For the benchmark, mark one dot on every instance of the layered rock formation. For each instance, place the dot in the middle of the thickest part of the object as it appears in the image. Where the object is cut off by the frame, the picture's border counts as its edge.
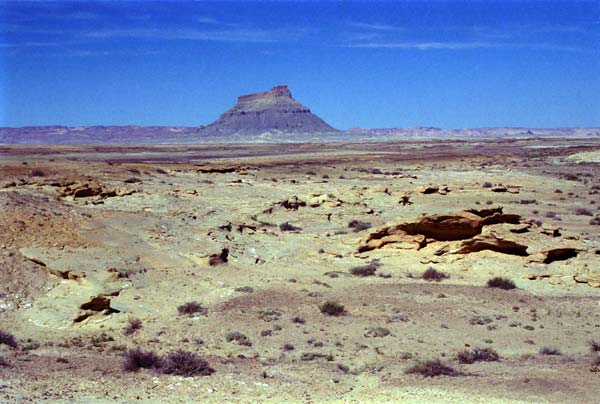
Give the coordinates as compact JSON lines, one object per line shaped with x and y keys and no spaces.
{"x":268,"y":112}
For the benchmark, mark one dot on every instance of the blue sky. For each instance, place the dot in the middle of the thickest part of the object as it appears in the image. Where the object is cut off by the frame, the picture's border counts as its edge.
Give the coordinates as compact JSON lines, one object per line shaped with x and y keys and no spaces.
{"x":449,"y":64}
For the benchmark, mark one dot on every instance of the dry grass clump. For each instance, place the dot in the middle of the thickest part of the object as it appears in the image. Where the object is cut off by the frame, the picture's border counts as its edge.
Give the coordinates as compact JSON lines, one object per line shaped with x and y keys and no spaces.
{"x":183,"y":363}
{"x":433,"y":368}
{"x":584,"y":212}
{"x":469,"y":356}
{"x":550,"y":351}
{"x":8,"y":339}
{"x":365,"y":270}
{"x":191,"y":308}
{"x":135,"y":324}
{"x":180,"y":363}
{"x":289,"y":227}
{"x":137,"y":359}
{"x":359,"y":226}
{"x":501,"y":283}
{"x":132,"y":180}
{"x":36,"y":172}
{"x":332,"y":308}
{"x":238,"y":338}
{"x":432,"y":274}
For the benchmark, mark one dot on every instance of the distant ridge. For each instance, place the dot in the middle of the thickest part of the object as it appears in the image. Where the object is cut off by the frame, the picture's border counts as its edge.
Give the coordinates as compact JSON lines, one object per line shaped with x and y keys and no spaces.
{"x":82,"y":135}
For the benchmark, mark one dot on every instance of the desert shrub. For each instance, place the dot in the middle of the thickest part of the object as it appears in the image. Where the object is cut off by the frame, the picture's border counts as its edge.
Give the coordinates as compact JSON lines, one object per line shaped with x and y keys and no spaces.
{"x":583,"y":212}
{"x":298,"y":320}
{"x":487,"y":184}
{"x":595,"y":221}
{"x":594,"y":345}
{"x":432,"y":274}
{"x":238,"y":338}
{"x":332,"y":308}
{"x":571,"y":177}
{"x":469,"y":356}
{"x":550,"y":214}
{"x":289,"y":227}
{"x":288,"y":347}
{"x":137,"y":359}
{"x":501,"y":283}
{"x":433,"y":368}
{"x":269,"y":315}
{"x":480,"y":320}
{"x":378,"y":332}
{"x":311,"y":356}
{"x":365,"y":270}
{"x":36,"y":172}
{"x":8,"y":339}
{"x":4,"y":363}
{"x":183,"y":363}
{"x":135,"y":324}
{"x":161,"y":171}
{"x":132,"y":180}
{"x":244,"y":289}
{"x":190,"y":308}
{"x":358,"y":225}
{"x":550,"y":351}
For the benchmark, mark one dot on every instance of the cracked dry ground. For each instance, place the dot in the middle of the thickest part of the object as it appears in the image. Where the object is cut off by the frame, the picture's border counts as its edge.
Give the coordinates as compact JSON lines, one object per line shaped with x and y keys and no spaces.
{"x":95,"y":241}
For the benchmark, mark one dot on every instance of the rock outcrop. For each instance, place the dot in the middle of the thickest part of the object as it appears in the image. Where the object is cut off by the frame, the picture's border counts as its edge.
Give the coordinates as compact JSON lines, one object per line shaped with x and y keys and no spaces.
{"x":272,"y":111}
{"x":452,"y":227}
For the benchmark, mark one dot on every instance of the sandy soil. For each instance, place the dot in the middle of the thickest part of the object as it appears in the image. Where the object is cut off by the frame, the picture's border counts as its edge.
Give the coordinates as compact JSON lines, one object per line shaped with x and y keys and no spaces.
{"x":94,"y":237}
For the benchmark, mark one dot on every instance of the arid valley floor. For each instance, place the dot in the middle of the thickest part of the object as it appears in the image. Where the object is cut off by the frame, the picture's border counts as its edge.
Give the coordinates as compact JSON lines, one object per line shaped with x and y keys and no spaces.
{"x":98,"y":240}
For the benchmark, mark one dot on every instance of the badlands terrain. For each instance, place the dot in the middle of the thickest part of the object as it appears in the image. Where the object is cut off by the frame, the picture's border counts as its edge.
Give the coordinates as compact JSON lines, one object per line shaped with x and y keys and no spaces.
{"x":302,"y":269}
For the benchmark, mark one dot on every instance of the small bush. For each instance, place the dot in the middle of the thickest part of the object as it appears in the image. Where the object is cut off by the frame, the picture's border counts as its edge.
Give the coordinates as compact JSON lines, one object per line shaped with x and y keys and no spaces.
{"x":595,"y":221}
{"x":288,"y":347}
{"x":550,"y":214}
{"x":584,"y":212}
{"x":550,"y":351}
{"x":365,"y":270}
{"x":594,"y":345}
{"x":378,"y":332}
{"x":8,"y":339}
{"x":161,"y":171}
{"x":289,"y":227}
{"x":469,"y":356}
{"x":433,"y":368}
{"x":4,"y":363}
{"x":358,"y":226}
{"x":432,"y":274}
{"x":36,"y":172}
{"x":132,"y":180}
{"x":487,"y":184}
{"x":190,"y":308}
{"x":238,"y":338}
{"x":134,"y":326}
{"x":332,"y":308}
{"x":501,"y":283}
{"x":298,"y":320}
{"x":137,"y":359}
{"x":183,"y":363}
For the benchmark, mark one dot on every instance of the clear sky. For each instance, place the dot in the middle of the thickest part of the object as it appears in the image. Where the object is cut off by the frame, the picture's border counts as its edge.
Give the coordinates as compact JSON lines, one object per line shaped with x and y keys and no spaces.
{"x":450,"y":64}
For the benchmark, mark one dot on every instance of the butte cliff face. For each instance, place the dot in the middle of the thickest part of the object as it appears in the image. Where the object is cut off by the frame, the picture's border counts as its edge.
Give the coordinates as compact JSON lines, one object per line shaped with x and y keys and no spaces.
{"x":268,"y":112}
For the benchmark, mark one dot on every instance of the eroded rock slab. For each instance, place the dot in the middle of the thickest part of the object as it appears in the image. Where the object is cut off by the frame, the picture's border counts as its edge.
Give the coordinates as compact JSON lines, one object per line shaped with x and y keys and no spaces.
{"x":452,"y":227}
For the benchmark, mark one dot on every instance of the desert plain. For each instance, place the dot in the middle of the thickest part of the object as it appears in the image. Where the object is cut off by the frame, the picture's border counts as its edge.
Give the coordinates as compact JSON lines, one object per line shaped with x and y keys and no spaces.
{"x":231,"y":251}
